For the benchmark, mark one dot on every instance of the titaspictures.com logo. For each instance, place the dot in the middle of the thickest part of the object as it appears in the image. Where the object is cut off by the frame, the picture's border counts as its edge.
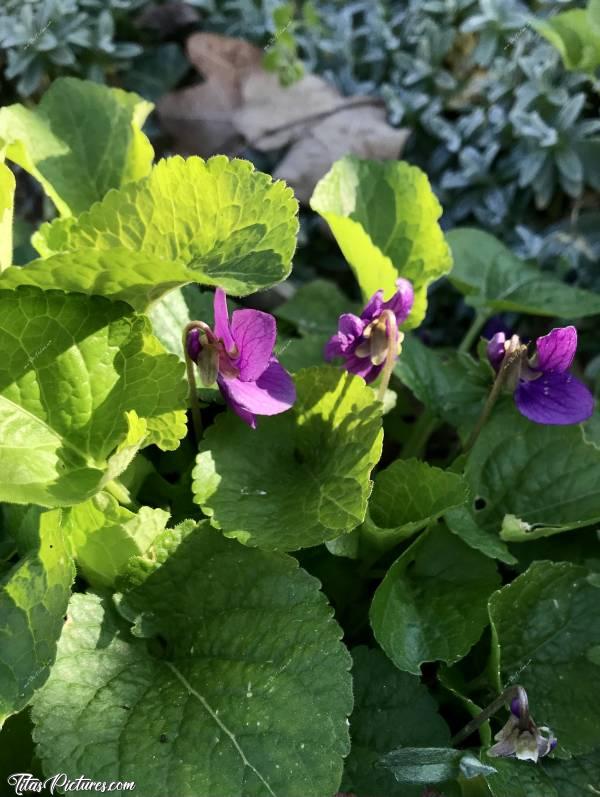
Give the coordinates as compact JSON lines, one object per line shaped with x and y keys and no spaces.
{"x":26,"y":783}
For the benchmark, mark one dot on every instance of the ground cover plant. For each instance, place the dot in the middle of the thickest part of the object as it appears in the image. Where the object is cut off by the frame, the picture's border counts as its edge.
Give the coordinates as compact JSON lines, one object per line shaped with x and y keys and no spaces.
{"x":298,"y":552}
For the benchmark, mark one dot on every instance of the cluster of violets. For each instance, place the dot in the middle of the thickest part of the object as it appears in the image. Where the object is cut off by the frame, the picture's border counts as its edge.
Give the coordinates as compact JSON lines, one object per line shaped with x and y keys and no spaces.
{"x":238,"y":355}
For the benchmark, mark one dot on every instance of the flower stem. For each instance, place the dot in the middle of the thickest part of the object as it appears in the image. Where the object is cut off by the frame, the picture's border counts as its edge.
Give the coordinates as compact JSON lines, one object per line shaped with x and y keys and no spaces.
{"x":502,"y":700}
{"x":505,"y":369}
{"x":479,"y":321}
{"x":191,"y":378}
{"x":428,"y":422}
{"x":118,"y":491}
{"x":420,"y":433}
{"x":392,"y":352}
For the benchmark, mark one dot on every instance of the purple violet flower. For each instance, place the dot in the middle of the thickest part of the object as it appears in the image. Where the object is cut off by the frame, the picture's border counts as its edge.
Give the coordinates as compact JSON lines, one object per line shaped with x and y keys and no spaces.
{"x":238,"y":355}
{"x":521,"y":737}
{"x":544,"y":390}
{"x":363,"y":341}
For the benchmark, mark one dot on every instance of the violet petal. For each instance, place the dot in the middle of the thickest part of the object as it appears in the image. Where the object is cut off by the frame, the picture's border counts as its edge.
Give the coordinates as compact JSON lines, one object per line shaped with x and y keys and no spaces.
{"x":373,"y":307}
{"x":556,"y":350}
{"x":193,"y":344}
{"x":554,"y":398}
{"x":254,"y":334}
{"x":350,"y":328}
{"x":222,"y":328}
{"x":272,"y":393}
{"x":362,"y":366}
{"x":335,"y":347}
{"x":351,"y":325}
{"x":402,"y":301}
{"x":496,"y":350}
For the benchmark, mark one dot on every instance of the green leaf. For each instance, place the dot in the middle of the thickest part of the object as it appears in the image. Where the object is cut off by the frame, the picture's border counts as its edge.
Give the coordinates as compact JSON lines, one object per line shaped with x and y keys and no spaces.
{"x":103,"y":536}
{"x":519,"y":779}
{"x":7,"y":193}
{"x":142,"y":281}
{"x":83,"y":385}
{"x":23,"y":251}
{"x":297,"y":353}
{"x":156,"y":71}
{"x":547,"y":636}
{"x":391,"y":709}
{"x":461,"y":522}
{"x":516,"y":530}
{"x":384,"y":217}
{"x":303,"y":476}
{"x":33,"y":601}
{"x":451,"y":384}
{"x":119,"y":275}
{"x":576,"y":36}
{"x":593,"y":12}
{"x":591,"y":430}
{"x":588,"y":150}
{"x":17,"y":753}
{"x":316,"y":307}
{"x":243,"y":688}
{"x":455,"y":682}
{"x":490,"y":275}
{"x":82,"y":140}
{"x":432,"y":765}
{"x":407,"y":496}
{"x":546,"y":481}
{"x":431,"y":605}
{"x":575,"y":777}
{"x":221,"y":220}
{"x":22,"y":523}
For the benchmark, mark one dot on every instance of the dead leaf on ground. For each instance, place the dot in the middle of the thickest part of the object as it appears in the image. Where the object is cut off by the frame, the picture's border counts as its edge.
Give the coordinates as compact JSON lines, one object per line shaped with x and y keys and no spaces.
{"x":267,"y":105}
{"x":361,"y":131}
{"x":223,"y":58}
{"x":200,"y":118}
{"x":240,"y":103}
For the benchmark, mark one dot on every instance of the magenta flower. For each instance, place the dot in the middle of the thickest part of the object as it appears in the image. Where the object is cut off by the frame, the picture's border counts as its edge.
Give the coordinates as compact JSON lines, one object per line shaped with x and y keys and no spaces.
{"x":544,"y":390}
{"x":238,"y":355}
{"x":363,"y":341}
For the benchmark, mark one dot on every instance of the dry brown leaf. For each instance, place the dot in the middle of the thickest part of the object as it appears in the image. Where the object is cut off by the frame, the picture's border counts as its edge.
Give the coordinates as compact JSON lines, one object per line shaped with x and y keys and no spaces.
{"x":223,"y":58}
{"x":240,"y":102}
{"x":200,"y":119}
{"x":361,"y":131}
{"x":267,"y":105}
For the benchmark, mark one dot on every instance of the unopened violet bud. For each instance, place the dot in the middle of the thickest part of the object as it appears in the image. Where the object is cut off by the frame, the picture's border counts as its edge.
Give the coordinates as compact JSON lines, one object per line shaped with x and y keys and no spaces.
{"x":515,"y":707}
{"x":193,"y":344}
{"x":496,"y":350}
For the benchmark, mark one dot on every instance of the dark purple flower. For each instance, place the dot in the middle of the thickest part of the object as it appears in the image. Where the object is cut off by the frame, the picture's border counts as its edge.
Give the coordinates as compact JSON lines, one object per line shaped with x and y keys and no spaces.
{"x":363,"y":341}
{"x":544,"y":390}
{"x":238,"y":355}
